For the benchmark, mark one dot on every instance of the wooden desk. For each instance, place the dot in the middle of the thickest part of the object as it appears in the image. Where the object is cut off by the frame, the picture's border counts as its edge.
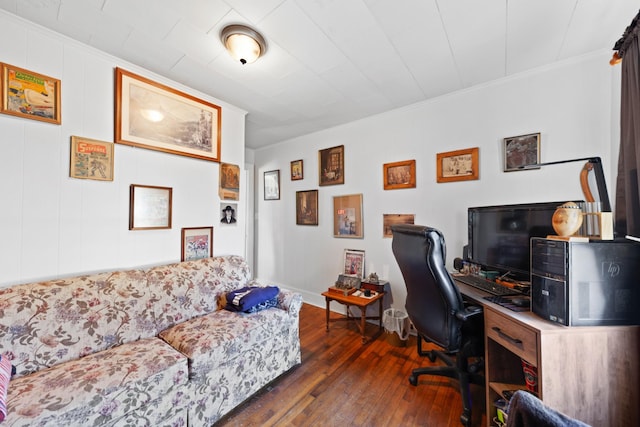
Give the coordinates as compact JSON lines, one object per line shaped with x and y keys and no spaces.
{"x":590,"y":373}
{"x":360,"y":302}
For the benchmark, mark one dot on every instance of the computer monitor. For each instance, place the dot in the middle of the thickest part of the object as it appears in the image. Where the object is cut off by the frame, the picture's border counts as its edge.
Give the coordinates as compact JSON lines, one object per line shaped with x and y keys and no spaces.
{"x":499,"y":236}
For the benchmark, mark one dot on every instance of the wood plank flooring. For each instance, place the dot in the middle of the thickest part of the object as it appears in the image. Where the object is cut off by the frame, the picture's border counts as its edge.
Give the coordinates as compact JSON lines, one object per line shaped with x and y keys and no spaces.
{"x":342,"y":382}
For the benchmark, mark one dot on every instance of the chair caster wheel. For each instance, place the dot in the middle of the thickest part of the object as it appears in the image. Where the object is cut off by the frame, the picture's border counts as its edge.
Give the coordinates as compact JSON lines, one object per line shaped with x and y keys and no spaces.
{"x":413,"y":380}
{"x":465,"y":419}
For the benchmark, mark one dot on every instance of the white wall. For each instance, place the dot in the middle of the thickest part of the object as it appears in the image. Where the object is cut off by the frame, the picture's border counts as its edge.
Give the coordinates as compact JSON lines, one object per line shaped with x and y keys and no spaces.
{"x":53,"y":225}
{"x":572,"y":104}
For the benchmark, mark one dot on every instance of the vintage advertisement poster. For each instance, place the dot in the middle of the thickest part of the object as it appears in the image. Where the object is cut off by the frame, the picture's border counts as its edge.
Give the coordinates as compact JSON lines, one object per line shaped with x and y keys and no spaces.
{"x":91,"y":159}
{"x":31,"y":95}
{"x":229,"y":182}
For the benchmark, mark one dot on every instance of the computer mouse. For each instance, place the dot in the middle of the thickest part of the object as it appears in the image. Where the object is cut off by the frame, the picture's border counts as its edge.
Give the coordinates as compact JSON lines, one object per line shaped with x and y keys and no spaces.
{"x":520,"y":301}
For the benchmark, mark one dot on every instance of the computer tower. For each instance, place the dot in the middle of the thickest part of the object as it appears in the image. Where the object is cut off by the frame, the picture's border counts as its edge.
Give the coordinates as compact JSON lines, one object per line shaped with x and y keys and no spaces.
{"x":585,"y":283}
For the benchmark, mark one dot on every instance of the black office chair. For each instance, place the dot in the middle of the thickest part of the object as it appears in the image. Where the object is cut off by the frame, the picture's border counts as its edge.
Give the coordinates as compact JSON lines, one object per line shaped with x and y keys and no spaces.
{"x":437,"y":311}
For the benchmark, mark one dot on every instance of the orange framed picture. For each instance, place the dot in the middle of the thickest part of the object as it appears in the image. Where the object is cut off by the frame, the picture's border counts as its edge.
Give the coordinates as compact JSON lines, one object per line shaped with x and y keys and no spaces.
{"x":399,"y":175}
{"x":154,"y":116}
{"x":30,"y":95}
{"x":459,"y":165}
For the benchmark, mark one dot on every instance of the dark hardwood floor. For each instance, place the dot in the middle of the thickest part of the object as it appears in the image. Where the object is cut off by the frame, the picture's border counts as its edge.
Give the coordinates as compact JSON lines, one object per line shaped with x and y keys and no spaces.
{"x":342,"y":382}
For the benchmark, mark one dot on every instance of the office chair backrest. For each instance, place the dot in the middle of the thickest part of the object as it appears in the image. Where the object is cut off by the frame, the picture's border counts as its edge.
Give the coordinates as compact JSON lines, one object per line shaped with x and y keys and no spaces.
{"x":433,"y":298}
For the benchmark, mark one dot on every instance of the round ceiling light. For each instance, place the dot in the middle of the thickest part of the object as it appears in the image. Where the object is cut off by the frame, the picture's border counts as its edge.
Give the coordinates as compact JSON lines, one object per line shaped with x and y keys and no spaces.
{"x":243,"y":43}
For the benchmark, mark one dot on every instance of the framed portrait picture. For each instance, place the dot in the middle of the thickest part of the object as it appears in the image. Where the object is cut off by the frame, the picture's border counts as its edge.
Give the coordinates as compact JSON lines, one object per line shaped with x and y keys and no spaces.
{"x":30,"y":95}
{"x":91,"y":159}
{"x":149,"y":207}
{"x":399,"y":175}
{"x":391,"y":219}
{"x":229,"y":211}
{"x":197,"y":243}
{"x":154,"y":116}
{"x":307,"y":207}
{"x":347,"y":216}
{"x":354,"y":263}
{"x":331,"y":165}
{"x":272,"y":185}
{"x":519,"y":151}
{"x":297,"y":171}
{"x":229,"y":182}
{"x":459,"y":165}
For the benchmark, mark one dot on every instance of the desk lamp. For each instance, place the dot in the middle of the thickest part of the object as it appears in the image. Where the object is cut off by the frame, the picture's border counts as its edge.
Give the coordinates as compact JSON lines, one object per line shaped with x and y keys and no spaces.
{"x":605,"y":218}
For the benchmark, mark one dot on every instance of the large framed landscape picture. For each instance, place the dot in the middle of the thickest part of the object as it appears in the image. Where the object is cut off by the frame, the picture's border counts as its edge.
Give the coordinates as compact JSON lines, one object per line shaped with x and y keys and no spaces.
{"x":151,"y":115}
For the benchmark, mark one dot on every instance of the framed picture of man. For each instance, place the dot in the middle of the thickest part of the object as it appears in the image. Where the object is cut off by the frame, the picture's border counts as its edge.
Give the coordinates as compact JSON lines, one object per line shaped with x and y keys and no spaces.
{"x":228,"y":213}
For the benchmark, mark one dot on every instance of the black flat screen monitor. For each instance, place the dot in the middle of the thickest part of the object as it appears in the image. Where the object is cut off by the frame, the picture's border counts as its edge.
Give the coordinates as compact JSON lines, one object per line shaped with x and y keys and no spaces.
{"x":499,"y":236}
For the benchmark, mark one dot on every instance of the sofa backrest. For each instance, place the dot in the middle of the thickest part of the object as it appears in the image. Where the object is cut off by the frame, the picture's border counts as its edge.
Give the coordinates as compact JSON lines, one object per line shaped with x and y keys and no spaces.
{"x":46,"y":323}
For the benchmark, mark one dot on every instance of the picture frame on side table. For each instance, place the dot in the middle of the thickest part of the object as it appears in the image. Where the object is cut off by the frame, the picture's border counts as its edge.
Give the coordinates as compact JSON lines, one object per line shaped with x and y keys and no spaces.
{"x":307,"y":207}
{"x":354,"y":263}
{"x":458,"y":165}
{"x":347,"y":216}
{"x":297,"y":171}
{"x":272,"y":185}
{"x":30,"y":95}
{"x":149,"y":207}
{"x":399,"y":175}
{"x":154,"y":116}
{"x":91,"y":159}
{"x":197,"y":243}
{"x":522,"y":150}
{"x":331,"y":166}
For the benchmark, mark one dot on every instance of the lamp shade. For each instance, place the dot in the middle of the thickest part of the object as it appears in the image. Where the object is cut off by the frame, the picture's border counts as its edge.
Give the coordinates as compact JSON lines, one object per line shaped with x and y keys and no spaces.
{"x":243,"y":43}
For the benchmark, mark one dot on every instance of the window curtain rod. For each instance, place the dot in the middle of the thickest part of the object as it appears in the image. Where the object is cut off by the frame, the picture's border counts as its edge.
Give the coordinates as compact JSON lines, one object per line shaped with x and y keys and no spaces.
{"x":623,"y":43}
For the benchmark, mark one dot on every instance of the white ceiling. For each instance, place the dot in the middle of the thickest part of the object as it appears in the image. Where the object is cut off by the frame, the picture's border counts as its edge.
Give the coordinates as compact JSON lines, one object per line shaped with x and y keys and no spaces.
{"x":334,"y":61}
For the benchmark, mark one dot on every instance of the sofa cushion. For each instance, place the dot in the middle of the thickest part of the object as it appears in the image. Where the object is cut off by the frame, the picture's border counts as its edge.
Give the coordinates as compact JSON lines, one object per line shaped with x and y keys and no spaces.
{"x":100,"y":388}
{"x":219,"y":337}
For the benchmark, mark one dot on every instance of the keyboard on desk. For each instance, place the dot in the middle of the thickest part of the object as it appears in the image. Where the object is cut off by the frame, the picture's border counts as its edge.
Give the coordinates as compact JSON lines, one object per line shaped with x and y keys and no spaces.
{"x":486,"y":285}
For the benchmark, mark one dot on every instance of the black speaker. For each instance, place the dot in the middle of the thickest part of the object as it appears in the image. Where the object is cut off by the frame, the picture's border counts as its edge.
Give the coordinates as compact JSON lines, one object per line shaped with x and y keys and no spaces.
{"x":458,"y":264}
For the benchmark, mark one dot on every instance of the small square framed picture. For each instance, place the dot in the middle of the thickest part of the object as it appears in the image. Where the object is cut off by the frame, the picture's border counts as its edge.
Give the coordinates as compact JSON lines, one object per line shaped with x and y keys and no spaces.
{"x":297,"y":171}
{"x":272,"y":185}
{"x":197,"y":243}
{"x":521,"y":151}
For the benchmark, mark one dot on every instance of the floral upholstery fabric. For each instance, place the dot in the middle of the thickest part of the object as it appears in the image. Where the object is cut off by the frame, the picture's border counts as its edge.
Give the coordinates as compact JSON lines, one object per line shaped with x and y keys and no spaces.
{"x":103,"y":388}
{"x":87,"y":350}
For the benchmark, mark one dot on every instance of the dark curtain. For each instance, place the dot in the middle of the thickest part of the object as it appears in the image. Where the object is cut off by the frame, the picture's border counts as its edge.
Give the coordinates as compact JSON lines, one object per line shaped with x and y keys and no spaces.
{"x":627,"y":215}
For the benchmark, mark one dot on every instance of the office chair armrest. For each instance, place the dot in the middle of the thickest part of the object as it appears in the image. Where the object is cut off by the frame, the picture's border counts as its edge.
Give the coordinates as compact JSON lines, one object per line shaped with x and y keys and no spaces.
{"x":469,"y":311}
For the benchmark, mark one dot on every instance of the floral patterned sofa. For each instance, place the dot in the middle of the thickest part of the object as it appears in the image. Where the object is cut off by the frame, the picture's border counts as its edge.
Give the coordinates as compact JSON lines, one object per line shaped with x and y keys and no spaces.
{"x":145,"y":347}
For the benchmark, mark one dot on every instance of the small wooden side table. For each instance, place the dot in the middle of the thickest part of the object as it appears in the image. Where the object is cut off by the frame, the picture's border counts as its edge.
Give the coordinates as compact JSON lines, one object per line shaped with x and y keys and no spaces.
{"x":362,"y":303}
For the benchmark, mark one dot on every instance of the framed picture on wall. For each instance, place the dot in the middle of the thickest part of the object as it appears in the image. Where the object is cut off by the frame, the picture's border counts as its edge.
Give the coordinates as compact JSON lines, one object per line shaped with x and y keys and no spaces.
{"x":399,"y":175}
{"x":459,"y":165}
{"x":91,"y":159}
{"x":391,"y":219}
{"x":331,"y":166}
{"x":272,"y":185}
{"x":229,"y":182}
{"x":149,"y":207}
{"x":347,"y":216}
{"x":197,"y":242}
{"x":30,"y":95}
{"x":154,"y":116}
{"x":229,"y":212}
{"x":519,"y":151}
{"x":307,"y":207}
{"x":297,"y":171}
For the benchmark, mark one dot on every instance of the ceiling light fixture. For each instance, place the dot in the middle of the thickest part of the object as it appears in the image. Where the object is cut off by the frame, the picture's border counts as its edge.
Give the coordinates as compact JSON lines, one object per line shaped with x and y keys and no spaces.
{"x":243,"y":43}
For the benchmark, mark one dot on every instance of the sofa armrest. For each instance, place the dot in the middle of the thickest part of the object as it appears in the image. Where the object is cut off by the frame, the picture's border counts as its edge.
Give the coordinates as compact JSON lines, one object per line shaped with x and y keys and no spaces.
{"x":288,"y":301}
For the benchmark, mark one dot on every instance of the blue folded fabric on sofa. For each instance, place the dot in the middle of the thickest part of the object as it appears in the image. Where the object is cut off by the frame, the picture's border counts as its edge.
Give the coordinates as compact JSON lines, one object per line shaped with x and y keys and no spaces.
{"x":247,"y":298}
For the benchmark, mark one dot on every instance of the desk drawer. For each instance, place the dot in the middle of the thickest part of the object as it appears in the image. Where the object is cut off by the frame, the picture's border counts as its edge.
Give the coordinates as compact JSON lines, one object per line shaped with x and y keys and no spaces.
{"x":511,"y":335}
